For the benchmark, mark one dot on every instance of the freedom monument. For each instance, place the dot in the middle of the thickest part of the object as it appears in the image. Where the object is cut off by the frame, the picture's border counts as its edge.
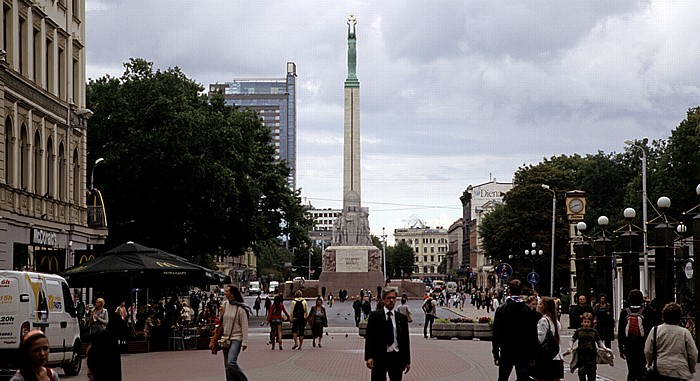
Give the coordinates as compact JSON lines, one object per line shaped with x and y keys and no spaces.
{"x":352,"y":261}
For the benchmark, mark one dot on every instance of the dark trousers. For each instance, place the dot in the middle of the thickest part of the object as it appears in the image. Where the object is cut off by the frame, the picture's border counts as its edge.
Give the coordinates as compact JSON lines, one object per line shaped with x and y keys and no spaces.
{"x":429,"y":319}
{"x":636,"y":362}
{"x":587,"y":371}
{"x":505,"y":367}
{"x":390,"y":366}
{"x":357,"y":319}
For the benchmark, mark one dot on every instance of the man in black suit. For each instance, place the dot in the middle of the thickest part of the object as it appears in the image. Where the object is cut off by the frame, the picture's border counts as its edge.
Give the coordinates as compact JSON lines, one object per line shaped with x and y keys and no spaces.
{"x":387,"y":348}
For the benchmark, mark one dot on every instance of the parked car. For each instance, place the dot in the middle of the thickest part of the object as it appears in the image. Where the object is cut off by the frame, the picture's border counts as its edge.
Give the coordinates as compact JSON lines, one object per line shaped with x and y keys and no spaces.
{"x":254,"y":288}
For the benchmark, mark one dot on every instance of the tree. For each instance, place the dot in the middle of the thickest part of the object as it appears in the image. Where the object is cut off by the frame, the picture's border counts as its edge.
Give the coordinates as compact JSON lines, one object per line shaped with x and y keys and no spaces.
{"x":402,"y":259}
{"x":185,"y":173}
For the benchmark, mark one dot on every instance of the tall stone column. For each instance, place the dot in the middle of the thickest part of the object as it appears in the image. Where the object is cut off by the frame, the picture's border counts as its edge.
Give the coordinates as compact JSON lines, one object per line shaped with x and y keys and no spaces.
{"x":604,"y":268}
{"x":583,"y":267}
{"x":631,"y":246}
{"x":663,"y":262}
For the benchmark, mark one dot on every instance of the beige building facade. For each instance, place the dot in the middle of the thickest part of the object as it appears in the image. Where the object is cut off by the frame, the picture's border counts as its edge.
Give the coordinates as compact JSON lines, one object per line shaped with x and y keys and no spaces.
{"x":45,"y":222}
{"x":430,"y":247}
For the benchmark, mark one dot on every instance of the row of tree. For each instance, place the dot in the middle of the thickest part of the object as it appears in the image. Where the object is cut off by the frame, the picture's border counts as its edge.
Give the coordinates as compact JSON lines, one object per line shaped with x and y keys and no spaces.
{"x":612,"y":182}
{"x":185,"y":172}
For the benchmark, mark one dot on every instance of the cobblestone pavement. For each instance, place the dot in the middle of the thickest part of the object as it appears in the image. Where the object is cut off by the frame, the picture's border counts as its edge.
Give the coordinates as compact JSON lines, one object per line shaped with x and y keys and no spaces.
{"x":341,"y":357}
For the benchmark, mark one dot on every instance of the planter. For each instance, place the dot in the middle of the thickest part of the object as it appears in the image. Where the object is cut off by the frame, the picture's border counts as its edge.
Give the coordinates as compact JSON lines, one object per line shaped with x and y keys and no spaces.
{"x":363,"y":328}
{"x":444,"y":331}
{"x":464,"y":331}
{"x":483,"y":332}
{"x":139,"y":346}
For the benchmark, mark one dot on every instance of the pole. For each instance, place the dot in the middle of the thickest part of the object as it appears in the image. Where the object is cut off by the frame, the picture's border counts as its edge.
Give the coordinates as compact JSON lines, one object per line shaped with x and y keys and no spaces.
{"x":310,"y":251}
{"x":644,"y":221}
{"x":384,"y":252}
{"x":551,"y":269}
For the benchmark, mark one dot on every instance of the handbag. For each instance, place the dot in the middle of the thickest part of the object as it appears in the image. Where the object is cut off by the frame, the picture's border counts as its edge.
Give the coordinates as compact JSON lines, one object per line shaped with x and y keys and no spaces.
{"x":549,"y":347}
{"x":409,"y":316}
{"x":652,"y":374}
{"x":225,"y":342}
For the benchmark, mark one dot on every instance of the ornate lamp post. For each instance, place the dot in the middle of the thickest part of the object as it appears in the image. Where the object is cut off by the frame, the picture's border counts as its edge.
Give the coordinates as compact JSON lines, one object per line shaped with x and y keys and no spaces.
{"x":554,"y":214}
{"x":641,"y":147}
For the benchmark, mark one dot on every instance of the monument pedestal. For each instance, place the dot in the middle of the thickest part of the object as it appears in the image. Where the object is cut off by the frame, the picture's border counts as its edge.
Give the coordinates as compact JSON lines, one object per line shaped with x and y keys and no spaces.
{"x":351,"y":268}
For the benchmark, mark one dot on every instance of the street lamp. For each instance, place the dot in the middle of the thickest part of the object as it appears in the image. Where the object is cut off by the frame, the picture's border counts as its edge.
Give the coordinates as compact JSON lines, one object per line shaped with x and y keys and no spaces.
{"x":92,"y":173}
{"x":532,"y":255}
{"x":384,"y":251}
{"x":644,"y":142}
{"x":554,"y":215}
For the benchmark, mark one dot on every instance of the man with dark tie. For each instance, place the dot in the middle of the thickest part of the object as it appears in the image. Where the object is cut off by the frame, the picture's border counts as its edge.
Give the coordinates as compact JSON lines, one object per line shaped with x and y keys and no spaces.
{"x":387,"y":348}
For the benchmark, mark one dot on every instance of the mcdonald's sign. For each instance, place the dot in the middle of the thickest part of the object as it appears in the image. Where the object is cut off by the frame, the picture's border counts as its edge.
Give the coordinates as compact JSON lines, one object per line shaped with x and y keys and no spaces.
{"x":50,"y":261}
{"x":167,"y":264}
{"x":83,"y":256}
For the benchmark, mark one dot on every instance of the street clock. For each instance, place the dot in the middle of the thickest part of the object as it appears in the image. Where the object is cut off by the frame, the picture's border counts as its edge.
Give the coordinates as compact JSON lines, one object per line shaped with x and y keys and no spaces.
{"x":575,"y":204}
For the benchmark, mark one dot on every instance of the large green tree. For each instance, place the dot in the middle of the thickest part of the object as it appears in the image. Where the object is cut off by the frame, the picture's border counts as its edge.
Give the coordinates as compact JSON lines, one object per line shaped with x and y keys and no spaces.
{"x":186,"y":173}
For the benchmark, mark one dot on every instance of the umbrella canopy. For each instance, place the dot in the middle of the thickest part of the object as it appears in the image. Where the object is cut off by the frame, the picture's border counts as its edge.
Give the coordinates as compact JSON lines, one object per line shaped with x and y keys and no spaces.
{"x":141,"y":266}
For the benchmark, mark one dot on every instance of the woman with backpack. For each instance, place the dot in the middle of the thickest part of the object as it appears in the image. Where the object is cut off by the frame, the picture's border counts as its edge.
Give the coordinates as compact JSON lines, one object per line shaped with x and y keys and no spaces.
{"x":274,"y":319}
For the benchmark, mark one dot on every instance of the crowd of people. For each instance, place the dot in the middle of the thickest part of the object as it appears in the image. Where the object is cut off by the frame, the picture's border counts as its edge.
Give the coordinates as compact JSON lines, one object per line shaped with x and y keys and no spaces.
{"x":527,"y":338}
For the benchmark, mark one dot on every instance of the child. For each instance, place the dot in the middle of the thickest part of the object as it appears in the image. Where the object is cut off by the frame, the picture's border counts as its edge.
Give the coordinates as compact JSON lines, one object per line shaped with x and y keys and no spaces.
{"x":588,"y":343}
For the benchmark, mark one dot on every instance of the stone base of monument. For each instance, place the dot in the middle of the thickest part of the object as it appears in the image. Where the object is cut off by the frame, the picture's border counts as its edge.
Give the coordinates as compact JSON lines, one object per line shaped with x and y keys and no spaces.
{"x":351,"y":268}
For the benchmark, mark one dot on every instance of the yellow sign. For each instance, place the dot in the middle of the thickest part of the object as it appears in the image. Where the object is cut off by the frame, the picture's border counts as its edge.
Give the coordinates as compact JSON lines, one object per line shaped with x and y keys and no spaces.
{"x":167,"y":264}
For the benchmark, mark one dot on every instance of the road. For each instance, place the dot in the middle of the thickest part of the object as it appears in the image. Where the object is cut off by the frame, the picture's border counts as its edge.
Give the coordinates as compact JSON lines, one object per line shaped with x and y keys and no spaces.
{"x":341,"y":357}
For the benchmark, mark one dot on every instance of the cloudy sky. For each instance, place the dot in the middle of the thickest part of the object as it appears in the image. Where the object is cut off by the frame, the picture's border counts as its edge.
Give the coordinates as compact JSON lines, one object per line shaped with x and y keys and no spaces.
{"x":453,"y":93}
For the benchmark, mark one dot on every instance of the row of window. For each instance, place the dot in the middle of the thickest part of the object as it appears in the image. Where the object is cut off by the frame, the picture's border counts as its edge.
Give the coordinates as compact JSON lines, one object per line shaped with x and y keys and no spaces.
{"x":38,"y":171}
{"x":432,"y":258}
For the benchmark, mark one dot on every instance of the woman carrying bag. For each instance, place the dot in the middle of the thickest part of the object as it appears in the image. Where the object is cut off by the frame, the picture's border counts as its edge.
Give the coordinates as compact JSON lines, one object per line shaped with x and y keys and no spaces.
{"x":549,"y":365}
{"x":232,"y":334}
{"x":317,"y":320}
{"x":670,"y":349}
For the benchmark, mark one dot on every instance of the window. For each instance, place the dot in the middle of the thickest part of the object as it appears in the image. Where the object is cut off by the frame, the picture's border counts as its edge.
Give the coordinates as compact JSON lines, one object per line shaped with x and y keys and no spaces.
{"x":76,"y":80}
{"x":61,"y":173}
{"x":50,"y":64}
{"x":22,"y":45}
{"x":432,"y":258}
{"x":76,"y":178}
{"x":425,"y":249}
{"x":432,"y":249}
{"x":23,"y":160}
{"x":50,"y":174}
{"x":61,"y":73}
{"x":9,"y":149}
{"x":36,"y":186}
{"x":37,"y":57}
{"x":7,"y":31}
{"x":425,"y":258}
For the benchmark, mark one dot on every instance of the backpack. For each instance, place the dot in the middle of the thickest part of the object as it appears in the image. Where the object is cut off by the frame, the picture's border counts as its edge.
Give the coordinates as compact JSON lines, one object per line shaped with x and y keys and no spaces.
{"x":635,"y":326}
{"x":298,"y":312}
{"x":428,"y":306}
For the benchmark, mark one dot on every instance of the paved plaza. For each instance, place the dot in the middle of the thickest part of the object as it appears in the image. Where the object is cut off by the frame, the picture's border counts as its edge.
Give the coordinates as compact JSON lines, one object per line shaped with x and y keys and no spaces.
{"x":341,"y":357}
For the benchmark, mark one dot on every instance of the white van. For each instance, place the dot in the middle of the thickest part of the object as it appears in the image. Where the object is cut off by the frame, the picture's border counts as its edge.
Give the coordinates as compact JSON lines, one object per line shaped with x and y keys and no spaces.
{"x":254,"y":288}
{"x":273,"y":286}
{"x":31,"y":301}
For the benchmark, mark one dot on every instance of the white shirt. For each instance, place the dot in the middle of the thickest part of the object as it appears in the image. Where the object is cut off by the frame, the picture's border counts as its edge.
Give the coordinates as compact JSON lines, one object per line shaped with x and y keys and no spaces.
{"x":394,"y":347}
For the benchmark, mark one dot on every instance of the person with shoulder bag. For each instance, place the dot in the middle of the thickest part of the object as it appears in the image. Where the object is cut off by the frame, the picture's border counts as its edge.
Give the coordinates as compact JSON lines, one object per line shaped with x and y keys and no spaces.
{"x":549,"y":364}
{"x":232,"y":334}
{"x":317,"y":319}
{"x":403,"y":308}
{"x":670,"y":351}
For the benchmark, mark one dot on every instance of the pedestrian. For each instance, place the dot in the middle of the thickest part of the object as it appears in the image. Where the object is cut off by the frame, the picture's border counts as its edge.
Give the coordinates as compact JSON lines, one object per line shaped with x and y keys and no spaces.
{"x":366,"y":307}
{"x":317,"y":319}
{"x":357,"y":307}
{"x":514,"y":335}
{"x":586,"y":340}
{"x":633,"y":326}
{"x":268,"y":303}
{"x":676,"y":352}
{"x":104,"y":358}
{"x":99,"y":318}
{"x":256,"y":305}
{"x":80,"y":310}
{"x":430,"y":310}
{"x":300,"y":311}
{"x":604,"y":320}
{"x":487,"y":300}
{"x":33,"y":355}
{"x":274,"y":318}
{"x":387,"y":345}
{"x":232,"y":334}
{"x":403,"y":308}
{"x":548,"y":368}
{"x":577,"y":310}
{"x":330,"y":300}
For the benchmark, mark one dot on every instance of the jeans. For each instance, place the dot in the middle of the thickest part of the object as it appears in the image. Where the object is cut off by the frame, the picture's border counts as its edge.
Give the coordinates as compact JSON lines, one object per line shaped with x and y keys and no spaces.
{"x":587,"y":372}
{"x":357,"y":319}
{"x":429,"y":319}
{"x":233,"y":371}
{"x":505,"y":367}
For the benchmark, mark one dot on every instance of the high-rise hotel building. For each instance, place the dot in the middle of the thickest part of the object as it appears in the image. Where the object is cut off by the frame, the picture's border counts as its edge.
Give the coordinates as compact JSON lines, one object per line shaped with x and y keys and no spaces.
{"x":45,"y":221}
{"x":275,"y":101}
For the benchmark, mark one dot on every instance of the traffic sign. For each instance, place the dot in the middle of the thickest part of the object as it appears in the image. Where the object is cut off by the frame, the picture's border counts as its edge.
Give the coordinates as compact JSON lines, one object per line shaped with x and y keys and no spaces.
{"x":533,"y":278}
{"x":504,"y":271}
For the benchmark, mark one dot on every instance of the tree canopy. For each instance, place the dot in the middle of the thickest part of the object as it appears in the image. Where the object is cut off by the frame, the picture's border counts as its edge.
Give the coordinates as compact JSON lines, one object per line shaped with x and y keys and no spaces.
{"x":186,"y":173}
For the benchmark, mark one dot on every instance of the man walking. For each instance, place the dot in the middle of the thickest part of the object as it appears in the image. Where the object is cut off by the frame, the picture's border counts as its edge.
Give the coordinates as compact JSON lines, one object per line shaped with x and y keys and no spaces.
{"x":430,"y":310}
{"x":387,"y":346}
{"x":636,"y":321}
{"x":357,"y":307}
{"x":514,"y":335}
{"x":300,"y":311}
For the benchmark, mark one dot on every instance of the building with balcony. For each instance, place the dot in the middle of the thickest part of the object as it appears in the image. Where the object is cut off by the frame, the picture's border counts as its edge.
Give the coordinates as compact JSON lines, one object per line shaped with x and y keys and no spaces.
{"x":430,"y":248}
{"x":275,"y":102}
{"x":45,"y":222}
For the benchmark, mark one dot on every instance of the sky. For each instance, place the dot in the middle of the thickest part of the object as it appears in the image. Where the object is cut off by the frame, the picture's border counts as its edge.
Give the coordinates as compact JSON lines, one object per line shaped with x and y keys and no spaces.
{"x":452,"y":93}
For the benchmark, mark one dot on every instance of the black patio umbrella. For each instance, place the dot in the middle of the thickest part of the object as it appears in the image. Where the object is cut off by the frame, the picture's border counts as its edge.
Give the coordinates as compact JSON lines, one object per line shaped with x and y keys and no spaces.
{"x":141,"y":266}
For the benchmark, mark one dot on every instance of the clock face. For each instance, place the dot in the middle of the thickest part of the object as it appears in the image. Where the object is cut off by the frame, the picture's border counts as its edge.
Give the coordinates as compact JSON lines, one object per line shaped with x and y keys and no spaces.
{"x":576,"y":205}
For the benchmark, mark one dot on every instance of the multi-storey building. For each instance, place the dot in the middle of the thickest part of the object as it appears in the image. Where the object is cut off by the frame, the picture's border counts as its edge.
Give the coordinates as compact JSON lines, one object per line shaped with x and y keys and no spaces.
{"x":45,"y":223}
{"x":275,"y":102}
{"x":430,"y":247}
{"x":455,"y":235}
{"x":477,"y":201}
{"x":322,"y":233}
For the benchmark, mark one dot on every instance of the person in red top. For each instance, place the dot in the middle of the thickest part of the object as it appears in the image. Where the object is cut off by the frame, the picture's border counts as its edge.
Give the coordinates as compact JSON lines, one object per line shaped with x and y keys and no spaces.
{"x":274,"y":318}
